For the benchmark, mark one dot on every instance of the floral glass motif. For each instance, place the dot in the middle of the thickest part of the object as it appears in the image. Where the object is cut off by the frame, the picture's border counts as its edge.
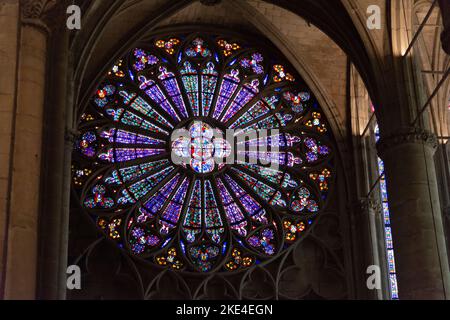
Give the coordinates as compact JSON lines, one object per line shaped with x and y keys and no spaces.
{"x":238,"y":260}
{"x":198,"y":49}
{"x":293,"y":229}
{"x":281,"y":75}
{"x":228,"y":47}
{"x":154,"y":167}
{"x":201,"y":147}
{"x":168,"y":45}
{"x":316,"y":122}
{"x":253,"y":62}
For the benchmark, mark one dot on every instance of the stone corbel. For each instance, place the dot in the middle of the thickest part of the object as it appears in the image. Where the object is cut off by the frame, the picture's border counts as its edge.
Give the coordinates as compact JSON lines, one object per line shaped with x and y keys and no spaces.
{"x":407,"y":135}
{"x":445,"y":37}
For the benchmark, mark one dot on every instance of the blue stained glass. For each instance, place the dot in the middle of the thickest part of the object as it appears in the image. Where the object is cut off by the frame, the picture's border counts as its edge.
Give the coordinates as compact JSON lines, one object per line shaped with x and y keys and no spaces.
{"x":253,"y":63}
{"x":103,"y":95}
{"x":380,"y":167}
{"x":229,"y":85}
{"x":209,"y":82}
{"x":387,"y":220}
{"x":158,"y":97}
{"x":394,"y":287}
{"x":157,"y":201}
{"x":203,"y":256}
{"x":142,"y":187}
{"x":190,"y":82}
{"x":258,"y":110}
{"x":391,"y":261}
{"x":115,"y":114}
{"x":128,"y":174}
{"x":270,"y":122}
{"x":127,"y":97}
{"x":213,"y":220}
{"x":193,"y":219}
{"x":99,"y":199}
{"x":316,"y":150}
{"x":271,"y":157}
{"x":198,"y":49}
{"x":266,"y":192}
{"x":140,"y":105}
{"x":388,"y":235}
{"x":134,"y":120}
{"x":171,"y":84}
{"x":126,"y":137}
{"x":278,"y":140}
{"x":387,"y":224}
{"x":234,"y":215}
{"x":383,"y":188}
{"x":142,"y":59}
{"x":243,"y":97}
{"x":171,"y":214}
{"x":251,"y":206}
{"x":127,"y":154}
{"x":272,"y":175}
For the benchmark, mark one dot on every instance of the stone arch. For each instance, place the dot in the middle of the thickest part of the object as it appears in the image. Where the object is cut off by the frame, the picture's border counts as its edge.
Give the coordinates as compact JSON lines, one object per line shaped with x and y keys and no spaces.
{"x":113,"y":53}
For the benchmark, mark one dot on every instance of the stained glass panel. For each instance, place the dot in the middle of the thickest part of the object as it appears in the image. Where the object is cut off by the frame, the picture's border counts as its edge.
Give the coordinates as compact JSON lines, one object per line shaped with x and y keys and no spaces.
{"x":201,"y":153}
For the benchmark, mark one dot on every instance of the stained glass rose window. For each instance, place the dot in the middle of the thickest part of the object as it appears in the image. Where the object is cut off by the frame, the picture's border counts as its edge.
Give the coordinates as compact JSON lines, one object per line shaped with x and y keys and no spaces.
{"x":254,"y":162}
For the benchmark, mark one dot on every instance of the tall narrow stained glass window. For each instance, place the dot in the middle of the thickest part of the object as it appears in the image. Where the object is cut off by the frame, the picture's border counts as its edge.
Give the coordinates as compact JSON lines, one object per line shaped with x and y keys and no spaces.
{"x":387,"y":224}
{"x":232,"y":202}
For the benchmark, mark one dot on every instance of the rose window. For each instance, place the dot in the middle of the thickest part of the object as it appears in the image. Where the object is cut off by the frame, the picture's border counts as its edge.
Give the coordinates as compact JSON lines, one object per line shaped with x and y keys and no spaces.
{"x":202,"y":153}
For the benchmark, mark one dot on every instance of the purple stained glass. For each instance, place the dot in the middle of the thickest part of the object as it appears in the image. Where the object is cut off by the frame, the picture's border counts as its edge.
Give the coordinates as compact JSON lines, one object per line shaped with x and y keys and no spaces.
{"x":232,"y":211}
{"x":158,"y":97}
{"x":171,"y":214}
{"x":227,"y":89}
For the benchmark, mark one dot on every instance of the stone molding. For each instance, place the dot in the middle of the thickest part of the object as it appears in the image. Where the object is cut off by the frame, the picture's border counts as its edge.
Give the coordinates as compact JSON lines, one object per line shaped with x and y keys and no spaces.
{"x":210,"y":2}
{"x":407,"y":135}
{"x":42,"y":14}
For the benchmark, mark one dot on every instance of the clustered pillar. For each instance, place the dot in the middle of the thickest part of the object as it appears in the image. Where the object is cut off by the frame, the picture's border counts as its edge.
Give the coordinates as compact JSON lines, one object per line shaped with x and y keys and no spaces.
{"x":19,"y":240}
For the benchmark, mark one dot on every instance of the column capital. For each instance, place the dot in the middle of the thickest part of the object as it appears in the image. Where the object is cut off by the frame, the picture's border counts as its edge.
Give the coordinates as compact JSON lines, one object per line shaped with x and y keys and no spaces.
{"x":371,"y":205}
{"x":42,"y":14}
{"x":407,"y":135}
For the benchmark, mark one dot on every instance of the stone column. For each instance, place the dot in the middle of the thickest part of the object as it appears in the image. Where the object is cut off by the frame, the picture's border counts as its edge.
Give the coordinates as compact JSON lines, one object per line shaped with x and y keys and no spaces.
{"x":54,"y":216}
{"x":416,"y":218}
{"x":373,"y":210}
{"x":24,"y":189}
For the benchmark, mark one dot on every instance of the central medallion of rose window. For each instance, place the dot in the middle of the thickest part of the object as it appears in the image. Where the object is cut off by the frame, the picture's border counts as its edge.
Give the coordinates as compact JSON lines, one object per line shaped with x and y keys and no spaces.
{"x":203,"y":147}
